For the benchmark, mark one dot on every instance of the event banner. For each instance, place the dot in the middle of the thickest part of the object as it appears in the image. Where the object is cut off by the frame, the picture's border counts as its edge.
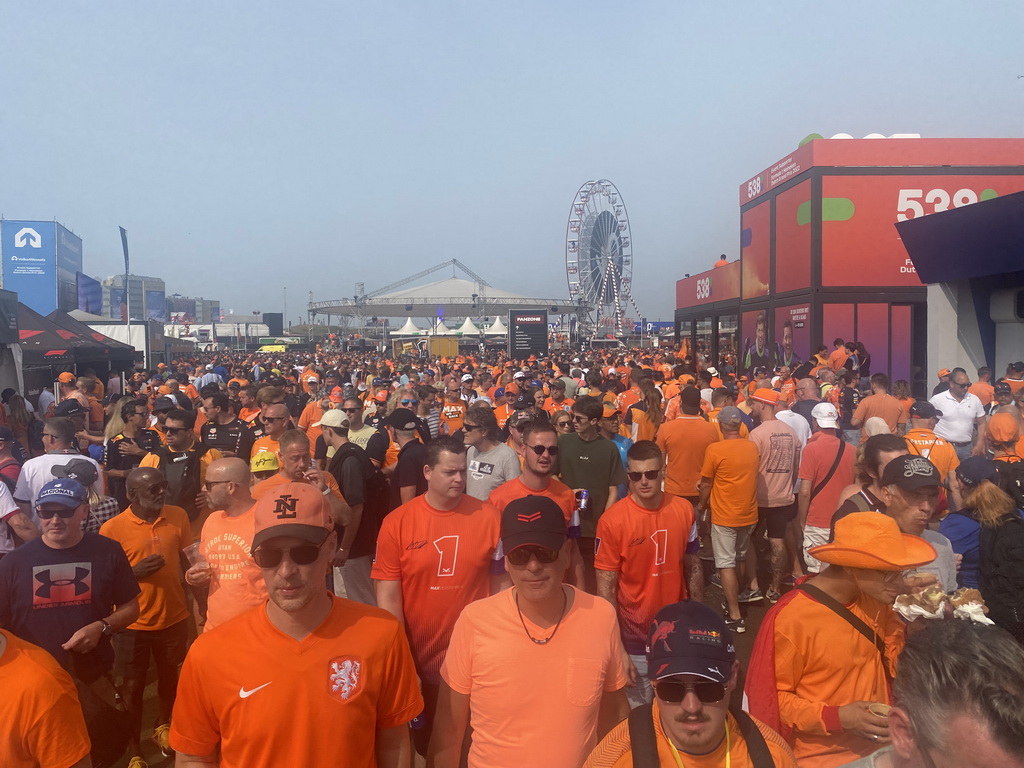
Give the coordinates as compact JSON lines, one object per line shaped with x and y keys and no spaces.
{"x":29,"y":263}
{"x":527,"y":334}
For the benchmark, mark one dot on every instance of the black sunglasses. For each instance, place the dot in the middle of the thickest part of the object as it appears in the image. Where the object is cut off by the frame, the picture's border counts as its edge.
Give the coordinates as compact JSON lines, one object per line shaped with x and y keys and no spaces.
{"x":471,"y":427}
{"x":63,"y":514}
{"x":674,"y":692}
{"x":650,"y":474}
{"x":349,"y":410}
{"x":521,"y":555}
{"x":540,"y":450}
{"x":270,"y":557}
{"x":176,"y":430}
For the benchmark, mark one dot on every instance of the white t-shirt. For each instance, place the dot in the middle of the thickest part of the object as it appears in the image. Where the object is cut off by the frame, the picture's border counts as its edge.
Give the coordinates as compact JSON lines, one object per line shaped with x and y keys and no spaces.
{"x":7,"y":508}
{"x":38,"y":472}
{"x":798,"y":423}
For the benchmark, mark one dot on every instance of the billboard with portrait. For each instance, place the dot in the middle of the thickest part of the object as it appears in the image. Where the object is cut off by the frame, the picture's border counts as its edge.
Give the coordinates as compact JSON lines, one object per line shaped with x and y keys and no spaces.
{"x":757,"y":348}
{"x":118,"y":304}
{"x":90,"y":294}
{"x":156,"y":306}
{"x":792,"y":334}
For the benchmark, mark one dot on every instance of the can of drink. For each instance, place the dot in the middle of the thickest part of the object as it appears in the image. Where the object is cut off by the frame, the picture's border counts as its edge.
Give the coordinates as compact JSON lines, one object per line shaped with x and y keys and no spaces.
{"x":418,"y":722}
{"x":582,"y":499}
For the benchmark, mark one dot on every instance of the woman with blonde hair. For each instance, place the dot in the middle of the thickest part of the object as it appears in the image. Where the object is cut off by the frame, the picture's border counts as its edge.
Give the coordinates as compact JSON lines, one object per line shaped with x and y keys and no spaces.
{"x":1000,"y":543}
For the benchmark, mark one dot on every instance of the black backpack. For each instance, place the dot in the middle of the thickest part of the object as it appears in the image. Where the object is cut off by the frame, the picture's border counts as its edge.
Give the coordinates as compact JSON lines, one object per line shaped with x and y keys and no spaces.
{"x":1011,"y":480}
{"x":377,"y":496}
{"x":182,"y":470}
{"x":644,"y":746}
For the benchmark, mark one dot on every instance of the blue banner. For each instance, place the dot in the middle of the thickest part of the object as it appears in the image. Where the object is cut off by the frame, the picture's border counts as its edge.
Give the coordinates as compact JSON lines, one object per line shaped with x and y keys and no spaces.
{"x":118,"y":305}
{"x":29,"y":263}
{"x":156,"y":306}
{"x":90,"y":294}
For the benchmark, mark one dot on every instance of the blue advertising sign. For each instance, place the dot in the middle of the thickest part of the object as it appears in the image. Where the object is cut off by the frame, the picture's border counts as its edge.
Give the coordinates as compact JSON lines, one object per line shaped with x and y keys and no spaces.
{"x":69,"y":263}
{"x":28,"y":251}
{"x":118,"y":304}
{"x":90,"y":294}
{"x":654,"y":327}
{"x":156,"y":306}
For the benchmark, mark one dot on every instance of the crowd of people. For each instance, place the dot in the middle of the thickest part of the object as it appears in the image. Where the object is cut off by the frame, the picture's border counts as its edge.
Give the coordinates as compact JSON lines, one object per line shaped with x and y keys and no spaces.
{"x":490,"y":562}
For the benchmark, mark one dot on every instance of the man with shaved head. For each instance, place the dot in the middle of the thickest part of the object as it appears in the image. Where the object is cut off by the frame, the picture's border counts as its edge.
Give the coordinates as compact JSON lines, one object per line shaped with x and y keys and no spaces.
{"x":225,"y":564}
{"x":276,"y":421}
{"x":807,"y":396}
{"x":152,"y":534}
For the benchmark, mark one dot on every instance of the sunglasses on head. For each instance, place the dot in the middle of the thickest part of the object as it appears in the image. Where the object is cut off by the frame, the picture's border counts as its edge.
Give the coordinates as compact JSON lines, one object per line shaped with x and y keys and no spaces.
{"x":522,"y":555}
{"x":650,"y":474}
{"x":270,"y":557}
{"x":63,"y":514}
{"x":540,"y":450}
{"x":673,"y":691}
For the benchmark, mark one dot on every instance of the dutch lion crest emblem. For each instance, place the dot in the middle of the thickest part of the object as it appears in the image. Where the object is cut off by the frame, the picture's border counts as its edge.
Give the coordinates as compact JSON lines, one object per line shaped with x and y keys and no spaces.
{"x":344,"y":677}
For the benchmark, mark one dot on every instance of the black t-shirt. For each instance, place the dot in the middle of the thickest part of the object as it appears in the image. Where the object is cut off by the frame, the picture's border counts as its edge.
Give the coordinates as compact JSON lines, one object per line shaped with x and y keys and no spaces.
{"x":147,"y":439}
{"x":804,"y":408}
{"x":377,"y":447}
{"x":849,"y":399}
{"x":409,"y":471}
{"x":234,"y":437}
{"x":46,"y":595}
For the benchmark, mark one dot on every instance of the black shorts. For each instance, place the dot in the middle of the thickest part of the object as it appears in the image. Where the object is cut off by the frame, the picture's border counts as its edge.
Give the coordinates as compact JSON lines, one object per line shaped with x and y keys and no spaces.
{"x":776,"y":518}
{"x":133,"y":649}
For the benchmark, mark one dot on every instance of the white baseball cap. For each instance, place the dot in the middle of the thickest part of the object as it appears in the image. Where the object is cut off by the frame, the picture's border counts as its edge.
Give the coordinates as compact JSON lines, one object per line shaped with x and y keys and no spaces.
{"x":826,"y":415}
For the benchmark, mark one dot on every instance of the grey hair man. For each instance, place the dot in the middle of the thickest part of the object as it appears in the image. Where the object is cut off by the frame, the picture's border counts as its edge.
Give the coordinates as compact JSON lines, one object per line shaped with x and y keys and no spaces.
{"x":958,"y":700}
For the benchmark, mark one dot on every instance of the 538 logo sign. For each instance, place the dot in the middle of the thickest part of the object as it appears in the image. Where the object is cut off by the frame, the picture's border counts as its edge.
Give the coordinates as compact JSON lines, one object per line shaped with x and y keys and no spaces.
{"x":704,"y":288}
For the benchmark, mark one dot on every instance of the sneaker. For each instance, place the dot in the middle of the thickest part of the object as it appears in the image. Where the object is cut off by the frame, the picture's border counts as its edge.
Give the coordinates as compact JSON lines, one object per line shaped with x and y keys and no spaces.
{"x":137,"y":762}
{"x":715,"y":581}
{"x":773,"y":597}
{"x":738,"y":626}
{"x":750,"y":596}
{"x":162,"y":738}
{"x":789,"y":581}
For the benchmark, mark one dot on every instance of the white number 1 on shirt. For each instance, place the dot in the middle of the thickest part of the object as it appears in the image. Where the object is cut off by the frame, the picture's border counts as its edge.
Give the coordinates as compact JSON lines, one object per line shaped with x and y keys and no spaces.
{"x":448,"y":551}
{"x":660,"y":539}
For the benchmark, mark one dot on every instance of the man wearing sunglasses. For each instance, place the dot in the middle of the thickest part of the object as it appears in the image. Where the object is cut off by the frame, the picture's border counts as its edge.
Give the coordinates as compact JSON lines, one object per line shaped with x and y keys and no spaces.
{"x":435,"y":555}
{"x":276,"y":421}
{"x":490,"y":461}
{"x":152,"y":534}
{"x":316,"y":675}
{"x":962,"y":413}
{"x":827,"y":651}
{"x":957,"y":700}
{"x":539,"y":668}
{"x":690,"y":721}
{"x":370,"y":439}
{"x":540,"y":458}
{"x":589,"y":462}
{"x":648,"y":555}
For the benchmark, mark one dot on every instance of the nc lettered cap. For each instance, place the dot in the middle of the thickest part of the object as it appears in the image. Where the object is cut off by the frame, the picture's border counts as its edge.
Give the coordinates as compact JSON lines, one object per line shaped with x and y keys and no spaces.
{"x":297,"y":510}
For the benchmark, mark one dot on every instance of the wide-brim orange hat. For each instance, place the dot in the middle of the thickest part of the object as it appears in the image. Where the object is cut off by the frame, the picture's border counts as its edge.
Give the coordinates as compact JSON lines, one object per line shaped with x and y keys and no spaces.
{"x":767,"y":396}
{"x":873,"y":541}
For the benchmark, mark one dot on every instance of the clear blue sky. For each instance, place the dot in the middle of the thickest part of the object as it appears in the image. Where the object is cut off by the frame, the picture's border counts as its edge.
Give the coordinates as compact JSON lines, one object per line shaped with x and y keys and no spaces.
{"x":252,"y":145}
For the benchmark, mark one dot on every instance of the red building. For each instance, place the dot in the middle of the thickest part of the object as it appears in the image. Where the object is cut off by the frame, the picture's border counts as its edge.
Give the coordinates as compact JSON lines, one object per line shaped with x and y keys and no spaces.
{"x":820,"y":256}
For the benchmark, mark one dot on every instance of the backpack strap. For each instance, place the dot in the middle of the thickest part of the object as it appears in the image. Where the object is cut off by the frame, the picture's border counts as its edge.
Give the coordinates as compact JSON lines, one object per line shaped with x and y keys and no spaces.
{"x":642,"y":740}
{"x":757,"y":747}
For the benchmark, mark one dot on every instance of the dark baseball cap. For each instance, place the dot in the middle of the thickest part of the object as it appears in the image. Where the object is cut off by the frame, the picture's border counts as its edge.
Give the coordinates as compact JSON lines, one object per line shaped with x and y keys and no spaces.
{"x":402,"y":418}
{"x":690,"y":397}
{"x":66,"y":492}
{"x":534,"y":520}
{"x":922,"y":409}
{"x":70,"y":407}
{"x":911,"y":472}
{"x":164,"y":403}
{"x":974,"y":469}
{"x":688,"y":638}
{"x":1002,"y":388}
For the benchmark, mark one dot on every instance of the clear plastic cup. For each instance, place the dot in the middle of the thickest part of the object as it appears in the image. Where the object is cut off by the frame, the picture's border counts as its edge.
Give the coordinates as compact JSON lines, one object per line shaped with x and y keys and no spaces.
{"x":195,"y":557}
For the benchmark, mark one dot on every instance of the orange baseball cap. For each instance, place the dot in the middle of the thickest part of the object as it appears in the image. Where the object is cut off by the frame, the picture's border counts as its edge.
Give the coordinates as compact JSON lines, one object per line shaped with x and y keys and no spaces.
{"x":1003,"y":428}
{"x":297,"y":510}
{"x":609,"y":411}
{"x":337,"y":395}
{"x":66,"y":378}
{"x":382,"y":396}
{"x":943,"y":372}
{"x":766,"y":396}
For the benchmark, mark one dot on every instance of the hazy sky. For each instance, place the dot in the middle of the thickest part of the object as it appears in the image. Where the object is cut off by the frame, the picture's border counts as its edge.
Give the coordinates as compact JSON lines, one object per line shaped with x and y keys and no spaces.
{"x":247,"y":146}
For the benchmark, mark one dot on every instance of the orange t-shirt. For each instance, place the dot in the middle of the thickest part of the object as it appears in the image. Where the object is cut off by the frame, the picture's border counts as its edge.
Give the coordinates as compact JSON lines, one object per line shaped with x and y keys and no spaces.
{"x":443,"y":560}
{"x":268,"y":699}
{"x":684,"y":441}
{"x":939,"y":452}
{"x":309,"y":422}
{"x":885,"y":407}
{"x":162,"y":600}
{"x":732,"y":467}
{"x":837,"y":359}
{"x":534,"y":704}
{"x":557,"y":491}
{"x":502,"y":413}
{"x":615,"y":749}
{"x":811,"y":673}
{"x":713,"y":418}
{"x":646,"y":548}
{"x":236,"y":582}
{"x":550,"y":406}
{"x":43,"y":723}
{"x":787,"y":390}
{"x":263,"y":487}
{"x":266,"y":444}
{"x":1015,"y":385}
{"x":248,"y":414}
{"x":452,"y":415}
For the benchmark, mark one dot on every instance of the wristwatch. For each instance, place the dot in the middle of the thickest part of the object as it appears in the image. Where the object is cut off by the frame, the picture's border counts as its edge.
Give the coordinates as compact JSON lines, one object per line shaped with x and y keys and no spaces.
{"x":107,"y":629}
{"x":326,"y":492}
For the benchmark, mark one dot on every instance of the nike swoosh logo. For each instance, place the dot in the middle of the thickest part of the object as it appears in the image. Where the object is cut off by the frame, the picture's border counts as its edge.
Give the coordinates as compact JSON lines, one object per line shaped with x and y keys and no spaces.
{"x":244,"y":694}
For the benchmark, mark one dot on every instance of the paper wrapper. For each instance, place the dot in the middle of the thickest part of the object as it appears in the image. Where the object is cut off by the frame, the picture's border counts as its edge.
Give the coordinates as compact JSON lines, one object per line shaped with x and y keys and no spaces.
{"x":912,"y":611}
{"x":972,"y":612}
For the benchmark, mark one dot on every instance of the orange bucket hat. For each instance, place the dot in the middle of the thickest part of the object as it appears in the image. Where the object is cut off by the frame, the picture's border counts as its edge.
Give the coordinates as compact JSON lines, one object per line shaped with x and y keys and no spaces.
{"x":873,"y":541}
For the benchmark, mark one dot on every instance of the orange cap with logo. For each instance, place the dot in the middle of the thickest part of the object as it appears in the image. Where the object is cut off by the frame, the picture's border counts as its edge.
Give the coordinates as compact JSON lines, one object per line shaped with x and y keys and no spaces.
{"x":297,"y":510}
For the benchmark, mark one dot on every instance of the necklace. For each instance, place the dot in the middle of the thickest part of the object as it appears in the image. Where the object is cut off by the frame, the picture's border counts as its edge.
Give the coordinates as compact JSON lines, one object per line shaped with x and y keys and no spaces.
{"x":546,"y":640}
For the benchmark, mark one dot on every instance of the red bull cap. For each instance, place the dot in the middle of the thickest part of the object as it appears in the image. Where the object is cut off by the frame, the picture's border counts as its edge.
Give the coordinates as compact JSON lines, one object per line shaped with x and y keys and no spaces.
{"x":688,"y":638}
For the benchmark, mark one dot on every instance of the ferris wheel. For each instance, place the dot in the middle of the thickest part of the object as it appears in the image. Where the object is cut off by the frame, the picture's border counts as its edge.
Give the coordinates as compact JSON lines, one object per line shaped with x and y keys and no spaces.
{"x":599,"y":259}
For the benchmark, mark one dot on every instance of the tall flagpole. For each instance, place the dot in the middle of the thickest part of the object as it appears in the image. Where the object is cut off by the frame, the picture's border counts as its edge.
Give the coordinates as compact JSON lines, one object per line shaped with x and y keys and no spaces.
{"x":127,"y":293}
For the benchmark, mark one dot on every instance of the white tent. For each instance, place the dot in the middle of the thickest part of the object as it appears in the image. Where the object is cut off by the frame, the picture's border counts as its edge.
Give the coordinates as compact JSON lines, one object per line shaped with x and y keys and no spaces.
{"x":469,"y":328}
{"x":497,"y":329}
{"x":409,"y":329}
{"x":441,"y":330}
